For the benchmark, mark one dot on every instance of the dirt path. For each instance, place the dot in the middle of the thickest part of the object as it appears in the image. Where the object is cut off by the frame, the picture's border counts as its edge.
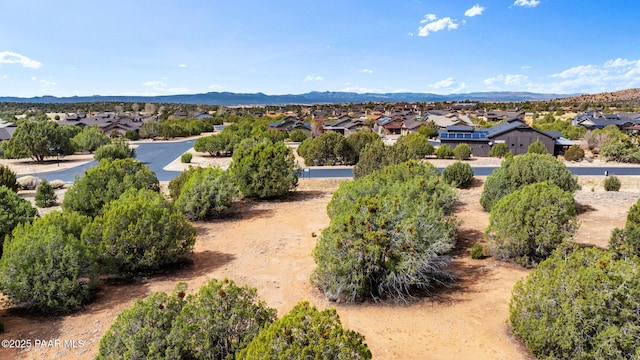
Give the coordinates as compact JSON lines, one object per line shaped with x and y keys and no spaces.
{"x":268,"y":246}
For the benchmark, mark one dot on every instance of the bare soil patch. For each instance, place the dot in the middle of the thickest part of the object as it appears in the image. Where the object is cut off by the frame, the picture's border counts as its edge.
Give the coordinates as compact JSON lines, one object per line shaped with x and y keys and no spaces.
{"x":268,"y":245}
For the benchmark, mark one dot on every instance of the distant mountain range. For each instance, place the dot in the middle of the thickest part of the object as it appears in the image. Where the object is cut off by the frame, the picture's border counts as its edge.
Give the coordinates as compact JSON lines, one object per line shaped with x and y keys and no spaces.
{"x":315,"y":97}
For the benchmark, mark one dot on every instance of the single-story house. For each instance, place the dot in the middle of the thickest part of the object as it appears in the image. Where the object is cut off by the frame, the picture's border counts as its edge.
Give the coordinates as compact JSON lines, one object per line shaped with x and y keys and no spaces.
{"x":516,"y":134}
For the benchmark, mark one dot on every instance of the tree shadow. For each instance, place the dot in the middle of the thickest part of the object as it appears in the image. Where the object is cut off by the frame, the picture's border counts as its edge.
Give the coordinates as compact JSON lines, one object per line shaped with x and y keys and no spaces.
{"x":584,"y":208}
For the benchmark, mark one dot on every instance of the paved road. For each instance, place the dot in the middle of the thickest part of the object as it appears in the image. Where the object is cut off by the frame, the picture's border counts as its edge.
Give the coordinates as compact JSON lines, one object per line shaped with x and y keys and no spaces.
{"x":157,"y":155}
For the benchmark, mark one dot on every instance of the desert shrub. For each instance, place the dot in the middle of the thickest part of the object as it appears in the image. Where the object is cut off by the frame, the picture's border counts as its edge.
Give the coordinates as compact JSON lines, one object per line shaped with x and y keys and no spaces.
{"x":305,"y":332}
{"x":221,"y":144}
{"x":462,"y":152}
{"x":141,"y":332}
{"x":417,"y":145}
{"x":521,"y":170}
{"x":458,"y":174}
{"x":297,"y":136}
{"x":582,"y":304}
{"x":118,"y":149}
{"x":621,"y":150}
{"x":627,"y":240}
{"x":361,"y":138}
{"x":8,"y":178}
{"x":57,"y":184}
{"x":218,"y":321}
{"x":477,"y":251}
{"x":574,"y":153}
{"x":612,"y":183}
{"x":430,"y":130}
{"x":528,"y":224}
{"x":90,"y":139}
{"x":444,"y":152}
{"x":150,"y":130}
{"x":537,"y":147}
{"x":263,"y":169}
{"x":45,"y":196}
{"x":377,"y":155}
{"x":46,"y":267}
{"x":499,"y":150}
{"x":208,"y":193}
{"x":140,"y":231}
{"x":131,"y":135}
{"x":364,"y":253}
{"x":329,"y":147}
{"x":14,"y":210}
{"x":176,"y":185}
{"x":186,"y":158}
{"x":106,"y":182}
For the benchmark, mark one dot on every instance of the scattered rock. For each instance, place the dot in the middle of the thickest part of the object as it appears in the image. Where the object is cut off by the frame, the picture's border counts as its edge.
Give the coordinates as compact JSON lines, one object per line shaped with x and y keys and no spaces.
{"x":57,"y":184}
{"x":28,"y":182}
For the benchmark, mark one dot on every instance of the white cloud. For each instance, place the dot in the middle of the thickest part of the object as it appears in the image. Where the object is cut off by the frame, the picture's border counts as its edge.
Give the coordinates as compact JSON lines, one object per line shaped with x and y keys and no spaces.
{"x":619,"y":63}
{"x":506,"y":80}
{"x":9,"y":57}
{"x":34,"y":78}
{"x":527,"y":3}
{"x":48,"y":86}
{"x":449,"y":85}
{"x":367,"y":71}
{"x":433,"y":25}
{"x":474,"y":11}
{"x":3,"y":76}
{"x":155,"y":84}
{"x":313,"y":78}
{"x":182,"y":66}
{"x":526,"y":67}
{"x":579,"y":71}
{"x":358,"y":89}
{"x":215,"y":87}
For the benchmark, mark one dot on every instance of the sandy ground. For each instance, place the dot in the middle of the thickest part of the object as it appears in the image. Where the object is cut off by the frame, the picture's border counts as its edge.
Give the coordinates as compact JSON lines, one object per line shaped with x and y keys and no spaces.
{"x":268,"y":245}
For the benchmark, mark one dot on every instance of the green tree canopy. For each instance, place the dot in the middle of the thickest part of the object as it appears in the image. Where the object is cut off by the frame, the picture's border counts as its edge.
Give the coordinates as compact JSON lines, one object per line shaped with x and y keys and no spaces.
{"x":118,"y":149}
{"x":46,"y":267}
{"x":521,"y":170}
{"x":528,"y":224}
{"x":306,"y":333}
{"x":579,"y":305}
{"x":106,"y":182}
{"x":208,"y":193}
{"x":329,"y":148}
{"x":14,"y":210}
{"x":38,"y":140}
{"x":90,"y":139}
{"x":140,"y":231}
{"x":537,"y":147}
{"x":388,"y":237}
{"x":8,"y":178}
{"x":263,"y":169}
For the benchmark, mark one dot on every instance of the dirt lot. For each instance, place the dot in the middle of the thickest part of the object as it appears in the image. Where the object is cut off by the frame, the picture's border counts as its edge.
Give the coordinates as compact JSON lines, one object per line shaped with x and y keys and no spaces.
{"x":268,"y":246}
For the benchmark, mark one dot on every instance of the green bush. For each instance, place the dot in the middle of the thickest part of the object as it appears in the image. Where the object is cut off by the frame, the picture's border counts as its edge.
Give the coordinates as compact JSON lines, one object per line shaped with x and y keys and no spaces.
{"x":139,"y":232}
{"x":477,"y":251}
{"x":46,"y":267}
{"x":458,"y":174}
{"x":517,"y":171}
{"x":627,"y":240}
{"x":45,"y":196}
{"x":150,"y":130}
{"x":141,"y":332}
{"x":208,"y":193}
{"x":537,"y":148}
{"x":106,"y":182}
{"x":612,"y":183}
{"x":8,"y":178}
{"x":499,"y":150}
{"x":118,"y":149}
{"x":218,"y":321}
{"x":574,"y":153}
{"x":444,"y":152}
{"x":462,"y":152}
{"x":329,"y":147}
{"x":263,"y":169}
{"x":297,"y":136}
{"x":131,"y":135}
{"x":621,"y":150}
{"x":377,"y":155}
{"x":14,"y":210}
{"x":221,"y":144}
{"x":186,"y":158}
{"x":528,"y":224}
{"x":176,"y":185}
{"x":580,"y":305}
{"x":309,"y":333}
{"x":90,"y":139}
{"x":364,"y":253}
{"x":417,"y":145}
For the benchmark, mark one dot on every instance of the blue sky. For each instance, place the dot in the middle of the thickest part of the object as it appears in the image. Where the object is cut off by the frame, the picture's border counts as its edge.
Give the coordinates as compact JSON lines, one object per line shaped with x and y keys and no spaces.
{"x":164,"y":47}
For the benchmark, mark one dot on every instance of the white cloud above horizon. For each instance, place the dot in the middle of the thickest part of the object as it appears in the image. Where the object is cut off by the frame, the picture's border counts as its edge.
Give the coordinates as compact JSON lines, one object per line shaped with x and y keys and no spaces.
{"x":367,"y":71}
{"x":527,"y":3}
{"x":449,"y":85}
{"x":182,"y":66}
{"x":433,"y":24}
{"x":313,"y":78}
{"x":474,"y":11}
{"x":9,"y":57}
